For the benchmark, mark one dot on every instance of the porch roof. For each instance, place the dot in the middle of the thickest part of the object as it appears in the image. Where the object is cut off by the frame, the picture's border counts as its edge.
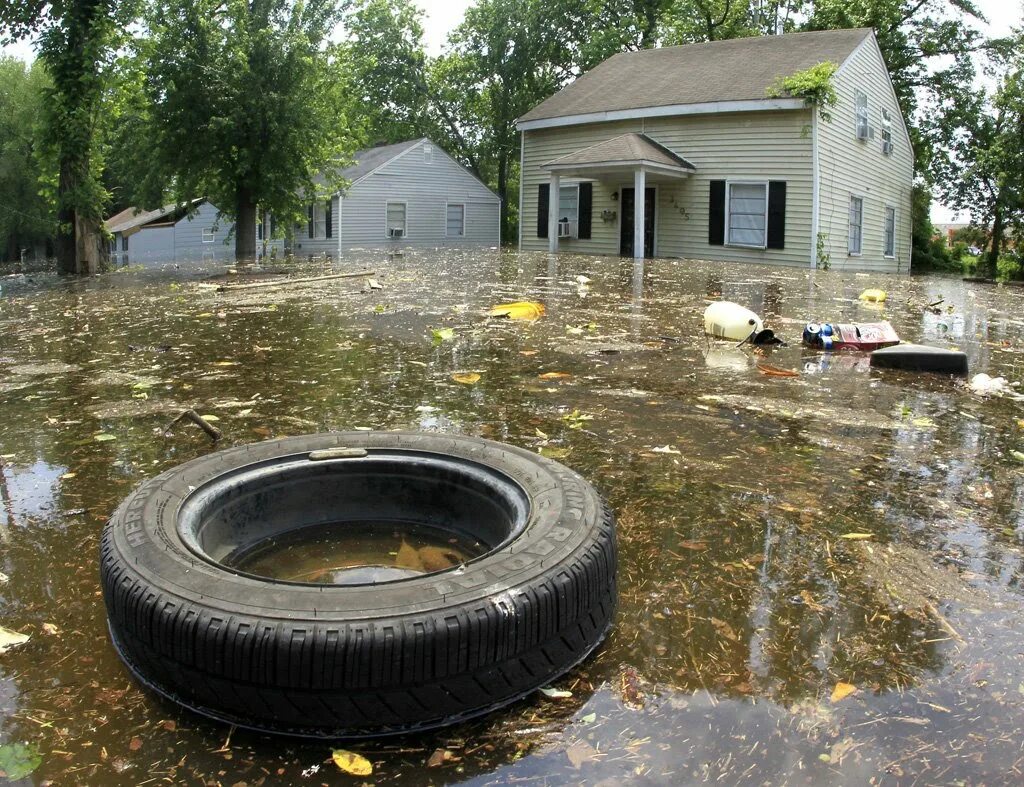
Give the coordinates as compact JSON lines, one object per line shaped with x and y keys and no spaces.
{"x":623,"y":153}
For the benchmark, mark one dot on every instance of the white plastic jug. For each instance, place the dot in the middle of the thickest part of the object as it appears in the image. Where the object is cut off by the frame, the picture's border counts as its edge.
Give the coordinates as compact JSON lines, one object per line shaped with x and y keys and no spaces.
{"x":727,"y":320}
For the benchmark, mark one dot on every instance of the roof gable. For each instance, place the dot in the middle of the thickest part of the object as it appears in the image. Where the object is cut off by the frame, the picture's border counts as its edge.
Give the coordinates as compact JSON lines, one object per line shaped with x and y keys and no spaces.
{"x":740,"y":69}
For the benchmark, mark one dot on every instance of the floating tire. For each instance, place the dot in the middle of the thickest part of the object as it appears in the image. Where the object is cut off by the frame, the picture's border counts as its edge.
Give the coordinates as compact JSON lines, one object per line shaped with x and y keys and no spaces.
{"x":383,"y":654}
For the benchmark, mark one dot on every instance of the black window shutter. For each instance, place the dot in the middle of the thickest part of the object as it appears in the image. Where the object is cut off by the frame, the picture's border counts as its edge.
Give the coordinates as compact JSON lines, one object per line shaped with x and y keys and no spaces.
{"x":328,"y":213}
{"x":716,"y":214}
{"x":586,"y":203}
{"x":543,"y":192}
{"x":777,"y":214}
{"x":310,"y":226}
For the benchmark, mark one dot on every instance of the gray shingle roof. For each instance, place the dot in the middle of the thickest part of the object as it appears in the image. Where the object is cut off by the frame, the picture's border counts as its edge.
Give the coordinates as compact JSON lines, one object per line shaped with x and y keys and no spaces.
{"x":739,"y":69}
{"x":627,"y":147}
{"x":368,"y":159}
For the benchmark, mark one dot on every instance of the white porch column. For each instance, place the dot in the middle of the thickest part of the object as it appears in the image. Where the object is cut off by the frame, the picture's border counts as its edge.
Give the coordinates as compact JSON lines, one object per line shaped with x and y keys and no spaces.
{"x":553,"y":213}
{"x":639,"y":190}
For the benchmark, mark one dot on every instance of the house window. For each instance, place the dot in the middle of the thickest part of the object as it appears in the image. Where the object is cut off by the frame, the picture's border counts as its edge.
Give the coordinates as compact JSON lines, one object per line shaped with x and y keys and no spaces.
{"x":569,"y":210}
{"x":890,"y":232}
{"x":856,"y":224}
{"x":456,"y":221}
{"x":886,"y":132}
{"x":862,"y":115}
{"x":396,"y":220}
{"x":319,"y":221}
{"x":124,"y":243}
{"x":428,"y":153}
{"x":208,"y":235}
{"x":747,"y":215}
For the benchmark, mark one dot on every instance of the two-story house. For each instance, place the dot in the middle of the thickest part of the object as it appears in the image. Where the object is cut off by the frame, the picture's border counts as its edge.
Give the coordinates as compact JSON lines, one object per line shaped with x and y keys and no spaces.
{"x":728,"y":169}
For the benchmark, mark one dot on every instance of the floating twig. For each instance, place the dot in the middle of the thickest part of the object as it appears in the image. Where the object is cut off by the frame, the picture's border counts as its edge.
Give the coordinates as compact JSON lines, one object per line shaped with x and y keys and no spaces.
{"x":191,"y":415}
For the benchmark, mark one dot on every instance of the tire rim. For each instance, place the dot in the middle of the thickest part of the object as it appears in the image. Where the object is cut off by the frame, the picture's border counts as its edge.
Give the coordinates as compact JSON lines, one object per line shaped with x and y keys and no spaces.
{"x":243,"y":514}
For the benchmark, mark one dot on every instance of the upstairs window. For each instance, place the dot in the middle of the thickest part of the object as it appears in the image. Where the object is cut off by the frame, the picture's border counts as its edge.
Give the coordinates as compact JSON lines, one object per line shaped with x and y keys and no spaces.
{"x":890,"y":232}
{"x":208,"y":235}
{"x":886,"y":132}
{"x":747,"y":215}
{"x":456,"y":221}
{"x":861,"y":114}
{"x":856,"y":225}
{"x":428,"y":153}
{"x":395,"y":220}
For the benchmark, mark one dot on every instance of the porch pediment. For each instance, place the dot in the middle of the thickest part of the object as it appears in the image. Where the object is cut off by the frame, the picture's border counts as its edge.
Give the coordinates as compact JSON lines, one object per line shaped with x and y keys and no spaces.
{"x":620,"y":155}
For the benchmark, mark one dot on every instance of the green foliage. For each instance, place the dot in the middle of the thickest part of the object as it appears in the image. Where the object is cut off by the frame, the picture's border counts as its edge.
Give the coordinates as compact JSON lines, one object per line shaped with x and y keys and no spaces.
{"x":1009,"y":267}
{"x":824,"y":259}
{"x":27,"y":218}
{"x":928,"y":249}
{"x":814,"y":85}
{"x":249,"y":102}
{"x":978,"y":161}
{"x":18,"y":760}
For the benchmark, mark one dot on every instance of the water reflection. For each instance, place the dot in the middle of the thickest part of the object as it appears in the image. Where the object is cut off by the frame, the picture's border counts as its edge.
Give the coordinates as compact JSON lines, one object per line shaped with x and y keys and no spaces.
{"x":744,"y":603}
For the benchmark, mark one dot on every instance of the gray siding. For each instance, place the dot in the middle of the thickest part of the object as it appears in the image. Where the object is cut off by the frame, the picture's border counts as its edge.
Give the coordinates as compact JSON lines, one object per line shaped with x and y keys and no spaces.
{"x":426,"y":187}
{"x":760,"y":146}
{"x":188,"y":236}
{"x":849,"y":166}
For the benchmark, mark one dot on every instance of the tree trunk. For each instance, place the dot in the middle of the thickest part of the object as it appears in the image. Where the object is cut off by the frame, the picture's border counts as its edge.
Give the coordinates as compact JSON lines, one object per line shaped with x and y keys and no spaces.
{"x":245,"y":225}
{"x":79,"y":237}
{"x":503,"y":196}
{"x":989,"y":265}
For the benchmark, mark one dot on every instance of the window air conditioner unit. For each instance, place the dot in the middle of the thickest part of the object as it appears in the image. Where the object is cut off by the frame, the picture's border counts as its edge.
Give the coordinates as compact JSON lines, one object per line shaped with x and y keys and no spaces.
{"x":862,"y":132}
{"x":887,"y":148}
{"x":396,"y":232}
{"x":567,"y":229}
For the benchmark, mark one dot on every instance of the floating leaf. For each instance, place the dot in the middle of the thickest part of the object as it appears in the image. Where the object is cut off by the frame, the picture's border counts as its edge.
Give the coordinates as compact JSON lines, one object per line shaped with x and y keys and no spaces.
{"x":18,"y":760}
{"x":11,"y":639}
{"x":776,"y":371}
{"x":554,"y":694}
{"x":210,"y":418}
{"x":373,"y":284}
{"x":103,"y":437}
{"x":442,"y":334}
{"x":666,"y":449}
{"x":68,"y":476}
{"x":439,"y":758}
{"x":842,"y":690}
{"x":351,"y":763}
{"x":923,"y":423}
{"x":521,"y":310}
{"x":590,"y":718}
{"x":1017,"y":455}
{"x":466,"y":378}
{"x":554,"y":376}
{"x":857,"y":536}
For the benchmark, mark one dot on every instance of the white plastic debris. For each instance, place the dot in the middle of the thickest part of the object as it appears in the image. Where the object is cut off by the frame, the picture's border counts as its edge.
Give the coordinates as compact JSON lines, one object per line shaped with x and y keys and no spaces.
{"x":985,"y":385}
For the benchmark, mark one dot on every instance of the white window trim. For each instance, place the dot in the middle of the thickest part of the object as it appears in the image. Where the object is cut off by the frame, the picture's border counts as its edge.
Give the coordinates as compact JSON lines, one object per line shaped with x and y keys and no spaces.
{"x":863,"y":210}
{"x":452,"y":204}
{"x":887,"y":131}
{"x":319,"y":232}
{"x":885,"y":210}
{"x":728,"y":196}
{"x":428,"y":153}
{"x":576,"y":233}
{"x":405,"y":219}
{"x":857,"y":116}
{"x":207,"y":231}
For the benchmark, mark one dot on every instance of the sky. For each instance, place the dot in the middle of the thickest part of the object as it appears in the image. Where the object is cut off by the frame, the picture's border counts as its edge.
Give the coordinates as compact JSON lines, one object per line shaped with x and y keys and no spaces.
{"x":441,"y":16}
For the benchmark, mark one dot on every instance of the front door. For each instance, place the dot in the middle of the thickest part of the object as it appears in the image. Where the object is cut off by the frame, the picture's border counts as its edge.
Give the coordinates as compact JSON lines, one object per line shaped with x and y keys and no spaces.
{"x":627,"y":199}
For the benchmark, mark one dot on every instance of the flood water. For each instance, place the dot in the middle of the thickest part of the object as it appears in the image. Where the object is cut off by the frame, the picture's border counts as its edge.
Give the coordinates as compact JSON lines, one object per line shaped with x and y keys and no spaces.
{"x":753,"y":642}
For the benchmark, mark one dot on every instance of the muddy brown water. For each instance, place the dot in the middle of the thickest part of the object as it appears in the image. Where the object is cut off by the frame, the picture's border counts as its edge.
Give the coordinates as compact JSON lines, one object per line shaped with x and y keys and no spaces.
{"x":745,"y":615}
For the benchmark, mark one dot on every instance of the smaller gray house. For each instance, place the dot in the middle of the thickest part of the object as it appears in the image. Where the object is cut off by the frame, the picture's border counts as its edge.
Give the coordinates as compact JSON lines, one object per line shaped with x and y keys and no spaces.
{"x":406,"y":194}
{"x":171,"y":232}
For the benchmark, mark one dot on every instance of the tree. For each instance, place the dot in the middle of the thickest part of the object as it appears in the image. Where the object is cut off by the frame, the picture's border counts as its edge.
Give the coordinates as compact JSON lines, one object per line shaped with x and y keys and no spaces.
{"x":249,"y":103}
{"x":76,"y":39}
{"x":979,"y":159}
{"x":27,"y":218}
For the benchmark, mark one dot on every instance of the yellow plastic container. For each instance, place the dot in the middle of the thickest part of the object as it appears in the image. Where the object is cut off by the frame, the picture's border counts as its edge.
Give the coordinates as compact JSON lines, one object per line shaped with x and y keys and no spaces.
{"x":873,"y":296}
{"x":727,"y":320}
